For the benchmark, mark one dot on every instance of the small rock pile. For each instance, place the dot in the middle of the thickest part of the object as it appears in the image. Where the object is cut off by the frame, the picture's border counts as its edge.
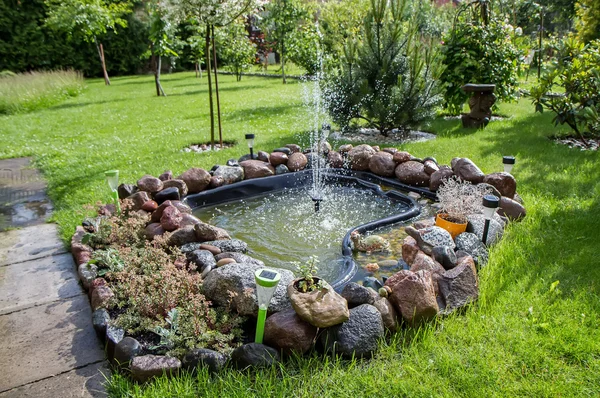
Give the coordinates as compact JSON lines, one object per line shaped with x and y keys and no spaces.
{"x":441,"y":274}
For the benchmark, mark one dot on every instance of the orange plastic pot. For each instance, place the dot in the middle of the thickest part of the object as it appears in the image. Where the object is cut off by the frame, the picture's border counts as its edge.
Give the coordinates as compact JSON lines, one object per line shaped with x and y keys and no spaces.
{"x":455,"y":229}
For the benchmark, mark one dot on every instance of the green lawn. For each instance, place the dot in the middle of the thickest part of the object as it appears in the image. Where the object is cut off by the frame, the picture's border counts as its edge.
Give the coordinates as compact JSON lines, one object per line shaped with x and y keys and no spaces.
{"x":522,"y":338}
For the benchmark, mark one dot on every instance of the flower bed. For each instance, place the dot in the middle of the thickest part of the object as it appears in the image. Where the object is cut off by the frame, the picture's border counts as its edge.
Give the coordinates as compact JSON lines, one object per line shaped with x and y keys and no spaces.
{"x":170,"y":291}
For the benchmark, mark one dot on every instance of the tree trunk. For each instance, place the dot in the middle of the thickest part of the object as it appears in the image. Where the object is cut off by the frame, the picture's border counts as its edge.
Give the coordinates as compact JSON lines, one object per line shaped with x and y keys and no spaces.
{"x":283,"y":60}
{"x":100,"y":50}
{"x":196,"y":68}
{"x":159,"y":89}
{"x":210,"y":98}
{"x":217,"y":87}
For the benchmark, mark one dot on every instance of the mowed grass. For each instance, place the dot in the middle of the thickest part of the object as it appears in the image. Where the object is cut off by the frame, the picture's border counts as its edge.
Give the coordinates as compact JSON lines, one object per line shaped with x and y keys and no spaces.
{"x":25,"y":92}
{"x":526,"y":336}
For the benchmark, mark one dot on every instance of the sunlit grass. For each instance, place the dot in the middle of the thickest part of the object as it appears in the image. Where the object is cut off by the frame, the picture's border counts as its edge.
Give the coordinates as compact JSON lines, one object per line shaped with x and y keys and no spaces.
{"x":522,"y":338}
{"x":26,"y":92}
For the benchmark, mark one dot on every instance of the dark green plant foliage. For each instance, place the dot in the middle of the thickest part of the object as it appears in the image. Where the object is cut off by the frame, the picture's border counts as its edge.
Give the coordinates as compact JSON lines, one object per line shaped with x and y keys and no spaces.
{"x":576,"y":69}
{"x":26,"y":44}
{"x":478,"y":53}
{"x":389,"y":79}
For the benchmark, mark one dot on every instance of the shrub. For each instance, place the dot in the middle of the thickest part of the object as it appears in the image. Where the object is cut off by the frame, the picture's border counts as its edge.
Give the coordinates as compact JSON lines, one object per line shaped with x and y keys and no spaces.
{"x":576,"y":69}
{"x":236,"y":50}
{"x":474,"y":52}
{"x":389,"y":78}
{"x":37,"y":90}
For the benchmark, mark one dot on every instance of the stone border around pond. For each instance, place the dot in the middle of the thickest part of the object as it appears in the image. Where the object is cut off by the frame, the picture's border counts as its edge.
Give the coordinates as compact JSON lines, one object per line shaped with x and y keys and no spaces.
{"x":440,"y":274}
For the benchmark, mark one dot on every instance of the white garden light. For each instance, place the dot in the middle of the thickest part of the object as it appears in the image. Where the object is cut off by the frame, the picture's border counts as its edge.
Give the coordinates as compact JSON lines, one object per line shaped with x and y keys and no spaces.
{"x":509,"y":162}
{"x":490,"y":204}
{"x":112,"y":178}
{"x":266,"y":283}
{"x":250,"y":141}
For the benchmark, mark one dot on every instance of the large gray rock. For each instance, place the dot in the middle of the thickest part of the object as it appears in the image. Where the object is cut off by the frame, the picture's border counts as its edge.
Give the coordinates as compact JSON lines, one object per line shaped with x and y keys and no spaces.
{"x":412,"y":173}
{"x":202,"y":259}
{"x":471,"y":244}
{"x":430,"y":237}
{"x":445,"y":256}
{"x":254,"y":355}
{"x":206,"y":232}
{"x":287,"y":332}
{"x":232,"y":245}
{"x":476,"y":224}
{"x":356,"y":295}
{"x":239,"y":280}
{"x":100,"y":320}
{"x":360,"y":156}
{"x":466,"y":170}
{"x":87,"y":273}
{"x":203,"y":357}
{"x":146,"y":367}
{"x":229,"y":174}
{"x":126,"y":350}
{"x":382,"y":164}
{"x":196,"y":179}
{"x":358,"y":336}
{"x":458,"y":287}
{"x":413,"y":294}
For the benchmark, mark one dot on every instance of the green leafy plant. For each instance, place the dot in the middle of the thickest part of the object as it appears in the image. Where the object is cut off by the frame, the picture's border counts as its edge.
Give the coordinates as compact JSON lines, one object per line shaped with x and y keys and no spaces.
{"x":576,"y":70}
{"x":167,"y":335}
{"x":236,"y":50}
{"x":389,"y":79}
{"x":308,"y":271}
{"x":107,"y":261}
{"x":480,"y":53}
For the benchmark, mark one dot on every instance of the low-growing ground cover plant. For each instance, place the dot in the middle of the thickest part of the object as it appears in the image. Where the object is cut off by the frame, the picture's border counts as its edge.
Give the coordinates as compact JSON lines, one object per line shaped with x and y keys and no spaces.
{"x":156,"y":293}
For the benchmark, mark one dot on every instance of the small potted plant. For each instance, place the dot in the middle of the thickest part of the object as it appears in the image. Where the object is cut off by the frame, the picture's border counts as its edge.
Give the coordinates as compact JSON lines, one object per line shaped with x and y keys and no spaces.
{"x":314,"y":300}
{"x":458,"y":199}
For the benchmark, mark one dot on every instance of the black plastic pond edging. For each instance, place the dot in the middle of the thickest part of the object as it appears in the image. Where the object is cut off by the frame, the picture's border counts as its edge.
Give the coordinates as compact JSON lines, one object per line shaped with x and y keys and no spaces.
{"x":261,"y":186}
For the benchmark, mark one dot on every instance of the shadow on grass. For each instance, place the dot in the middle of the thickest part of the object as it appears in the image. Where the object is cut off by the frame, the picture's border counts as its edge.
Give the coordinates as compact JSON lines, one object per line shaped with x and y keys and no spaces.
{"x":82,"y":104}
{"x":204,"y":90}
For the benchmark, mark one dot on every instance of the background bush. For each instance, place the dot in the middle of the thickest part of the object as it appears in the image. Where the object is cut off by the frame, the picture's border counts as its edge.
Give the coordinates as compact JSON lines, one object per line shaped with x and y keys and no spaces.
{"x":477,"y":53}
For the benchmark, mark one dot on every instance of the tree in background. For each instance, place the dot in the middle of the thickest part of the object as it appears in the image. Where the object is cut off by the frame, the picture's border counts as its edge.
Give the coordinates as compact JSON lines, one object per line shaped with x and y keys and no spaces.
{"x":235,"y":49}
{"x":210,"y":13}
{"x":389,"y":79}
{"x":478,"y":50}
{"x":282,"y":18}
{"x":588,"y":20}
{"x":161,"y":38}
{"x":88,"y":18}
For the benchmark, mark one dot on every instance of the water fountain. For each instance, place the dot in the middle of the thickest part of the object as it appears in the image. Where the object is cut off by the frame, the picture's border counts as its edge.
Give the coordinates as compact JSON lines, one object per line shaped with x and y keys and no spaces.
{"x":290,"y":217}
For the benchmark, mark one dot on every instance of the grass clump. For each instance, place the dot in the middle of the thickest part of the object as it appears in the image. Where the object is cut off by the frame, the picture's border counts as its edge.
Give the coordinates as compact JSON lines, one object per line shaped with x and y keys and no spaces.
{"x":25,"y":92}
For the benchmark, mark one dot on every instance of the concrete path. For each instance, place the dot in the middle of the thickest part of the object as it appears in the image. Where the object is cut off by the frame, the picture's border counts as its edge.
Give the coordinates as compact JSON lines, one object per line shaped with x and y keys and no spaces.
{"x":48,"y":347}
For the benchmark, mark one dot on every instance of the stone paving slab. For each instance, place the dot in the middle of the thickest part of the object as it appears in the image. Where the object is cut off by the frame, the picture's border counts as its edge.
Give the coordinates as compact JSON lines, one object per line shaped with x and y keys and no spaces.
{"x":45,"y":341}
{"x":35,"y":282}
{"x":86,"y":382}
{"x":30,"y":243}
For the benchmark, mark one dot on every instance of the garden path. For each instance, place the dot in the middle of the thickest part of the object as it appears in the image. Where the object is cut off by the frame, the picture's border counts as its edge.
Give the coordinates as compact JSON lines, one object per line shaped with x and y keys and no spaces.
{"x":48,"y":346}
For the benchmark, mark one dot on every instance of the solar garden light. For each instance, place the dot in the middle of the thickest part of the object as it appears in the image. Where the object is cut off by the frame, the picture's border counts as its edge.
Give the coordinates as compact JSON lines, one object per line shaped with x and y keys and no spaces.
{"x":490,"y":204}
{"x":250,"y":141}
{"x":509,"y":162}
{"x":112,"y":177}
{"x":266,"y":283}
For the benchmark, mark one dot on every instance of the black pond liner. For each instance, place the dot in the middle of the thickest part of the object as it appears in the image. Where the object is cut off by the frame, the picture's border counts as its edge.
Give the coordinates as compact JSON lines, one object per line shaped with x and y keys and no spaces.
{"x":260,"y":186}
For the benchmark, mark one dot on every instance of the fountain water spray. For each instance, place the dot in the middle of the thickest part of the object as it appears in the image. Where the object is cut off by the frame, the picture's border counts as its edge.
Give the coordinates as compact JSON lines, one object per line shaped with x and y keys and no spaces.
{"x":313,"y":98}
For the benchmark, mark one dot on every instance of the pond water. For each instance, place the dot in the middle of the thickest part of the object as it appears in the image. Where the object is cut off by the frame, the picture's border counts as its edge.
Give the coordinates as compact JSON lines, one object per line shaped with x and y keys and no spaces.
{"x":282,"y":226}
